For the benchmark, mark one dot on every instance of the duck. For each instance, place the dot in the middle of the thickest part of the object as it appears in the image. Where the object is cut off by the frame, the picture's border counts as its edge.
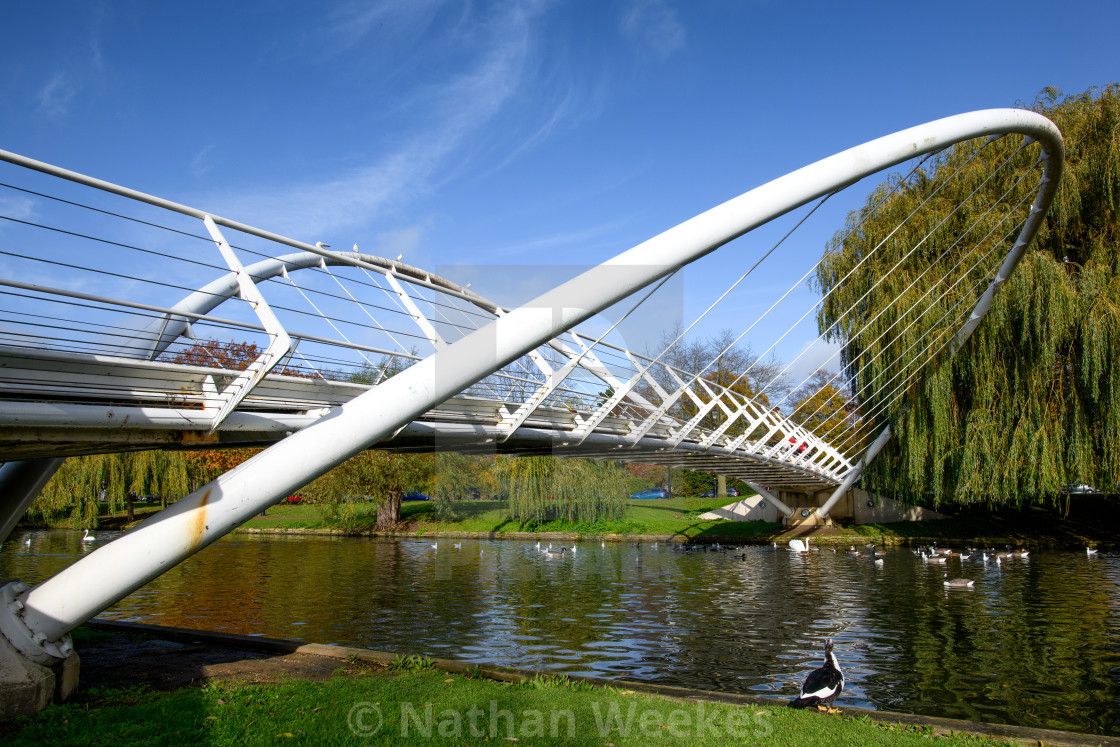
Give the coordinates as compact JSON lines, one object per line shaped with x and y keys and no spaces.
{"x":87,"y":537}
{"x":958,"y":582}
{"x":822,"y":685}
{"x":1088,"y":550}
{"x":458,"y":545}
{"x":435,"y":545}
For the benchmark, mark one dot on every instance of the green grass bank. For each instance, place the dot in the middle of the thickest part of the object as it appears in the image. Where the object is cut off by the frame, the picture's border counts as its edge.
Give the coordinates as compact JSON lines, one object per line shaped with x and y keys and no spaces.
{"x":678,"y":519}
{"x":374,"y":699}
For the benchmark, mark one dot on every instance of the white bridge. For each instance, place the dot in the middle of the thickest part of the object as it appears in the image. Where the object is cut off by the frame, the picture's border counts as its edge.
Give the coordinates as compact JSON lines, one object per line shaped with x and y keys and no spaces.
{"x":133,"y":322}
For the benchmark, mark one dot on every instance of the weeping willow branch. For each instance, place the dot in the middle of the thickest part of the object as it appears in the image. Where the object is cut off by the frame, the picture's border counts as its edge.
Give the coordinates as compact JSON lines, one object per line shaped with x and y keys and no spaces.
{"x":543,"y":488}
{"x":1031,"y":404}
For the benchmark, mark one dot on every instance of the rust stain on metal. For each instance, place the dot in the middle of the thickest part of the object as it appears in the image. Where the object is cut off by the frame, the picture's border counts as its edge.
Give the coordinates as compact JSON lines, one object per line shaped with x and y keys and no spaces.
{"x":197,"y":525}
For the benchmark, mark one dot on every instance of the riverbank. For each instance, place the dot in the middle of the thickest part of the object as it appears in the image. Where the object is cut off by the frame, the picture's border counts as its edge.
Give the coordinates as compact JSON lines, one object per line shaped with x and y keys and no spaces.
{"x":249,"y":690}
{"x":678,"y":520}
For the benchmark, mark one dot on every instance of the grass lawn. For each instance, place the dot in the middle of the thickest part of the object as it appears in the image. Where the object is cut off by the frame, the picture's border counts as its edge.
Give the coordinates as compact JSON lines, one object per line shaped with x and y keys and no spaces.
{"x":410,"y":702}
{"x":678,"y":517}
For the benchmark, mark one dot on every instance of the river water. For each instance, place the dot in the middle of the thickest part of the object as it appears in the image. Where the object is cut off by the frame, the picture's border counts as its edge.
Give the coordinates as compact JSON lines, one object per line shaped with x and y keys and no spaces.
{"x":1035,"y":642}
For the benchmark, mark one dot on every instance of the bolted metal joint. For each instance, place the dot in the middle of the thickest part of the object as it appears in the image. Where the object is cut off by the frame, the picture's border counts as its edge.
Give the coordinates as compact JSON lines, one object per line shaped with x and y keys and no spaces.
{"x":32,"y":644}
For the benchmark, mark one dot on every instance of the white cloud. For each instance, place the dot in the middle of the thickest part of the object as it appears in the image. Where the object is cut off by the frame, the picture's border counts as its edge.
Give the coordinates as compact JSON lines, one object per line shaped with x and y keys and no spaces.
{"x":354,"y":21}
{"x":458,"y":109}
{"x":814,"y":354}
{"x":20,"y":207}
{"x":54,"y":97}
{"x":654,"y":26}
{"x":202,"y":163}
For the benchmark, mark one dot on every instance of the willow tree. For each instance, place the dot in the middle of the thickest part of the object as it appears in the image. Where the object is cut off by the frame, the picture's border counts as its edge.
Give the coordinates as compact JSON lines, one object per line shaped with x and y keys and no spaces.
{"x":541,"y":488}
{"x":371,"y":475}
{"x":1031,"y":403}
{"x":84,"y":483}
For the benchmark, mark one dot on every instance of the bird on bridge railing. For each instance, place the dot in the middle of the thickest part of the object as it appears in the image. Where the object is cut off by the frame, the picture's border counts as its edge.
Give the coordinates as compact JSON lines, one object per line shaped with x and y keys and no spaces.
{"x":822,"y":685}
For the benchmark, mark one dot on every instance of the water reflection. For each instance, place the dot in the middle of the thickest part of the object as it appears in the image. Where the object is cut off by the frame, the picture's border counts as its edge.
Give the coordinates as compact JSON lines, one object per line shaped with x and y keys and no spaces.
{"x":1033,"y":643}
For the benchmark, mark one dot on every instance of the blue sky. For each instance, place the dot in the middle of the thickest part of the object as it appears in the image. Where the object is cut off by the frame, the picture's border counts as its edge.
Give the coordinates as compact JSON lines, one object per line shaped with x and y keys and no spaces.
{"x":509,"y":144}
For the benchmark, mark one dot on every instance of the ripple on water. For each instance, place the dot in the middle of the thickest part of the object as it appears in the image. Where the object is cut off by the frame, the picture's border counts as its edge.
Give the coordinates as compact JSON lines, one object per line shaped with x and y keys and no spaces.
{"x":1035,"y":642}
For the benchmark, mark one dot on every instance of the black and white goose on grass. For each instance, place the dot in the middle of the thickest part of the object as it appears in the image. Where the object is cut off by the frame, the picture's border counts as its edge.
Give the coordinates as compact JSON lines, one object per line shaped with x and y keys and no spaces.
{"x":822,"y":685}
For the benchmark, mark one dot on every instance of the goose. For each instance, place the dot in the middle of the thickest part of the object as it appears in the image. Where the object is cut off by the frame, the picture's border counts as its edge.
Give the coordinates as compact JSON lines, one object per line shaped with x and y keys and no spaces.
{"x":554,"y":553}
{"x":878,"y":561}
{"x":1090,"y":551}
{"x":822,"y":685}
{"x":87,"y":537}
{"x":958,"y":582}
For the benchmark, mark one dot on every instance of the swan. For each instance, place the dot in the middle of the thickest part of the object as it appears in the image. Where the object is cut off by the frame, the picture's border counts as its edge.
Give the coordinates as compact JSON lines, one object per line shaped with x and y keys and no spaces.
{"x":87,"y":537}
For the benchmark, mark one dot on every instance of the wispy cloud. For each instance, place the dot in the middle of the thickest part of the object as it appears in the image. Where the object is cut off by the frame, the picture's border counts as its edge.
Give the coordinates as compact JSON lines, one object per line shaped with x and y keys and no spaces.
{"x":582,"y":238}
{"x":19,"y":207}
{"x":455,"y":110}
{"x":55,"y":96}
{"x":353,"y":22}
{"x":203,"y":163}
{"x":654,"y":26}
{"x":83,"y":68}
